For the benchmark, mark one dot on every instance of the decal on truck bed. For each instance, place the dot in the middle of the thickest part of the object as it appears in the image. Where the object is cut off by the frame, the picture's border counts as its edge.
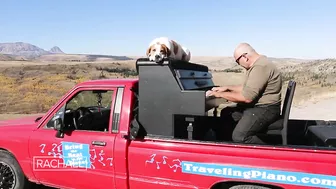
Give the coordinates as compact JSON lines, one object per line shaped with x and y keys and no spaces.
{"x":172,"y":164}
{"x":268,"y":175}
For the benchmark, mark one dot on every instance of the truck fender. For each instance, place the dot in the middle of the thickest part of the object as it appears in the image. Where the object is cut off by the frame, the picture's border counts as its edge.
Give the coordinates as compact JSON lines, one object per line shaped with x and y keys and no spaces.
{"x":30,"y":177}
{"x":8,"y":160}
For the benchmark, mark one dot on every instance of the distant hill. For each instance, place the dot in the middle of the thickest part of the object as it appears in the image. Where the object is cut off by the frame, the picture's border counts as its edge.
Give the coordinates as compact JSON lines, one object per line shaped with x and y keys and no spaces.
{"x":56,"y":50}
{"x":4,"y":57}
{"x":80,"y":58}
{"x":223,"y":63}
{"x":321,"y":67}
{"x":26,"y":51}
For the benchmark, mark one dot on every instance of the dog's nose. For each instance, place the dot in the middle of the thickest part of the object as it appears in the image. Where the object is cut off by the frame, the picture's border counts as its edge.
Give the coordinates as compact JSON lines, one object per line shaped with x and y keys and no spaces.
{"x":157,"y":56}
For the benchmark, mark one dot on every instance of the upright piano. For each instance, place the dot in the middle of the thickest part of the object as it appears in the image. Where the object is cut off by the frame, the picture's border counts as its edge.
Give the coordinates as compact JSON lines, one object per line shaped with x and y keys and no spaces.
{"x":170,"y":91}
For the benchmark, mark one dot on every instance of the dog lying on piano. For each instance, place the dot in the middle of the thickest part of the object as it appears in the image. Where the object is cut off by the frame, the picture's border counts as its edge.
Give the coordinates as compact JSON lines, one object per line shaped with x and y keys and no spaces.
{"x":163,"y":47}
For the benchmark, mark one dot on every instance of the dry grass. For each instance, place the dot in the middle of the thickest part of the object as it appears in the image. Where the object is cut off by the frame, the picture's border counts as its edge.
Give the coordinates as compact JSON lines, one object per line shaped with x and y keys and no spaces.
{"x":33,"y":87}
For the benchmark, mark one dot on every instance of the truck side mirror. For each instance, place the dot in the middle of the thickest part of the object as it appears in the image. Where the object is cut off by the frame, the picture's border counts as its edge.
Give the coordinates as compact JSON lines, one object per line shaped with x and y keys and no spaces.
{"x":59,"y":127}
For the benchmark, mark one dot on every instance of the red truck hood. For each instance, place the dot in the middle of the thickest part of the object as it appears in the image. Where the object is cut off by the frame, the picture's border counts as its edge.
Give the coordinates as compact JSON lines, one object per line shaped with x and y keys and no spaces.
{"x":24,"y":121}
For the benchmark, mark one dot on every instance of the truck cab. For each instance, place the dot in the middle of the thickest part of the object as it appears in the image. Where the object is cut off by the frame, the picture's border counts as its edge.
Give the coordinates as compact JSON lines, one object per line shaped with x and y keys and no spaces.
{"x":156,"y":132}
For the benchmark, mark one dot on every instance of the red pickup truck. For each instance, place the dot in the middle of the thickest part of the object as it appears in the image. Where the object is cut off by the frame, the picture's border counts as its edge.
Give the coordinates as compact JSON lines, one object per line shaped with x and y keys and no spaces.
{"x":156,"y":132}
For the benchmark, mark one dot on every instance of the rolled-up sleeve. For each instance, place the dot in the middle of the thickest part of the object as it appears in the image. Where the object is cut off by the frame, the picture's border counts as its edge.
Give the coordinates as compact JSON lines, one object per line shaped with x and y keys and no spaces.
{"x":255,"y":82}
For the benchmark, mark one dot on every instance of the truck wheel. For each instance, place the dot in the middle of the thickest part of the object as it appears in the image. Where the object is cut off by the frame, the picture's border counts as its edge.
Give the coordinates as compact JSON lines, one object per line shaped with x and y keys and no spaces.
{"x":11,"y":174}
{"x":249,"y":187}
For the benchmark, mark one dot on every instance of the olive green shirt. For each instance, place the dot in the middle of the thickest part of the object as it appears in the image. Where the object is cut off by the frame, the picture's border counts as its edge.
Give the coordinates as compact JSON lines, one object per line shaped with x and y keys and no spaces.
{"x":263,"y":83}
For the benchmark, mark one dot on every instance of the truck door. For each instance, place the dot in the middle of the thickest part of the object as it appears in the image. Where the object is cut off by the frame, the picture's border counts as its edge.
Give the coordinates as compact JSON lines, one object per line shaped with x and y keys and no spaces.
{"x":83,"y":157}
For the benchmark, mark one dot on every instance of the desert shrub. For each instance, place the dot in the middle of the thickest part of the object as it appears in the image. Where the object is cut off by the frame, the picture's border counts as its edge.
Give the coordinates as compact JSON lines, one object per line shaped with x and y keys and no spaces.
{"x":72,"y":76}
{"x":124,"y":71}
{"x":288,"y":76}
{"x":326,"y":85}
{"x":316,"y":76}
{"x":234,"y":70}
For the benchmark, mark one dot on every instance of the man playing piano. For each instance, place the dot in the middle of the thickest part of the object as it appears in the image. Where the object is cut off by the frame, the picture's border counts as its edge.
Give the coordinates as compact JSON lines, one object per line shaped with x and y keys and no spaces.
{"x":258,"y":98}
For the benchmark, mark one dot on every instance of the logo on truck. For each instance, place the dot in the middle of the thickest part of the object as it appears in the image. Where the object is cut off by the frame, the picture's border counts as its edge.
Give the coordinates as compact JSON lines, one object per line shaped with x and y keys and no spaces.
{"x":259,"y":174}
{"x":173,"y":164}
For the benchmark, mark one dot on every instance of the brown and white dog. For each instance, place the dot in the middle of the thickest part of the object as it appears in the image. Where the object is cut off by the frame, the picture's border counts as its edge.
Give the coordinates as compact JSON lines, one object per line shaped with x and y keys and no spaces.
{"x":163,"y":47}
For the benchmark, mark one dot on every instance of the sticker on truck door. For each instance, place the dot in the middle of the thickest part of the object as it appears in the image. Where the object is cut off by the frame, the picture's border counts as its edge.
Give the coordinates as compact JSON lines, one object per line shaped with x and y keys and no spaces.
{"x":76,"y":154}
{"x":70,"y":156}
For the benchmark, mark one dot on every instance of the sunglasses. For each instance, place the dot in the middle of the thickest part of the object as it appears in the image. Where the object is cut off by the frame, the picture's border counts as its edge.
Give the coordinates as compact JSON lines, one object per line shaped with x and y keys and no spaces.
{"x":237,"y":60}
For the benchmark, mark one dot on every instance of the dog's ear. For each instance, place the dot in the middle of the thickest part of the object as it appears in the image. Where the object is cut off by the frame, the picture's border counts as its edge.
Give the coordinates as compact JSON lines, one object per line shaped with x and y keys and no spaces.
{"x":149,"y":50}
{"x":166,"y":50}
{"x":175,"y":46}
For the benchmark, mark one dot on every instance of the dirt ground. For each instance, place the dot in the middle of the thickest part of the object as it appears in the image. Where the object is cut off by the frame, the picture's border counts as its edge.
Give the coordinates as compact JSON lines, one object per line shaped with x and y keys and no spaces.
{"x":14,"y":116}
{"x":323,"y":109}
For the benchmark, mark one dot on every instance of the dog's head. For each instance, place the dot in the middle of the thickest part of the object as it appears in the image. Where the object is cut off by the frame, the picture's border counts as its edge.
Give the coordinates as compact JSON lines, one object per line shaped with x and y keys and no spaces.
{"x":157,"y":52}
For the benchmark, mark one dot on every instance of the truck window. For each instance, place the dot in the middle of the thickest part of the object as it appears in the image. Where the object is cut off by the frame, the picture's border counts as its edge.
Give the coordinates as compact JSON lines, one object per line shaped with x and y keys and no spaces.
{"x":88,"y":110}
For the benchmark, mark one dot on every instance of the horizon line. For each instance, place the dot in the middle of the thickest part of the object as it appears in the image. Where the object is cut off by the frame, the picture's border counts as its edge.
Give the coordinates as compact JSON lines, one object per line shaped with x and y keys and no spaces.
{"x":206,"y":56}
{"x":195,"y":56}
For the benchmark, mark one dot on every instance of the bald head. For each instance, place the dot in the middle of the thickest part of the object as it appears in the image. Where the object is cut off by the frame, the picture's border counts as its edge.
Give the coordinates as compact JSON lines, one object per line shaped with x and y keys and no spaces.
{"x":244,"y":48}
{"x":245,"y":54}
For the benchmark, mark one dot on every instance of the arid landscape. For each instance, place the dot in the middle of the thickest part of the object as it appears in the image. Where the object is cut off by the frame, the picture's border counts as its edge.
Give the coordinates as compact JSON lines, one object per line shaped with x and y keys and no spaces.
{"x":31,"y":84}
{"x":63,"y":65}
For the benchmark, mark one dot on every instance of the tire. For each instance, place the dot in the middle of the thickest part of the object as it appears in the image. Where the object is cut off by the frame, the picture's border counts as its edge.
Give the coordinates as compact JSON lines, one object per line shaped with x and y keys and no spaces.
{"x":249,"y":187}
{"x":14,"y":173}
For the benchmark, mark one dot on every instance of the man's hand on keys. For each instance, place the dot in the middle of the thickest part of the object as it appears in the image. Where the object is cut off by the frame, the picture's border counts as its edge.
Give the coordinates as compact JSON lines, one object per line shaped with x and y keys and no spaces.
{"x":209,"y":93}
{"x":219,"y":89}
{"x":212,"y":93}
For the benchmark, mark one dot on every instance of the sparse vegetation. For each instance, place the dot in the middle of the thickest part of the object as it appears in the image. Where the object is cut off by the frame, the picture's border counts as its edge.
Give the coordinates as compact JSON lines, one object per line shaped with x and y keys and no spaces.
{"x":287,"y":76}
{"x":35,"y":88}
{"x":240,"y":70}
{"x":125,"y":72}
{"x":237,"y":70}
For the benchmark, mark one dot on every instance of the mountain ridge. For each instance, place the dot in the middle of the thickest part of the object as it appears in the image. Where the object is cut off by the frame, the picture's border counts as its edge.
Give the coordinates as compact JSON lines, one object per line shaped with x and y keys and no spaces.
{"x":22,"y":51}
{"x":56,"y":50}
{"x":11,"y":51}
{"x":26,"y":50}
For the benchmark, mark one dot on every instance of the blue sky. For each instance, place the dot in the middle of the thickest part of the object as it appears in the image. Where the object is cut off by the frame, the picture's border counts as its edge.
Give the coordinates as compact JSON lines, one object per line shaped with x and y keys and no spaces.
{"x":283,"y":28}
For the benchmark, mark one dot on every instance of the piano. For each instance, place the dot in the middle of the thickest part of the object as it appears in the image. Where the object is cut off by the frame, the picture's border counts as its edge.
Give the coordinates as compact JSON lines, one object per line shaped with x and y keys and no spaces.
{"x":198,"y":80}
{"x":170,"y":91}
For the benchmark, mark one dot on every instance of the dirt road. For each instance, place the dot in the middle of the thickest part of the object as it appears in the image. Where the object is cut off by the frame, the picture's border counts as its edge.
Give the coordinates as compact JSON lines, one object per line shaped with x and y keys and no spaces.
{"x":324,"y":109}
